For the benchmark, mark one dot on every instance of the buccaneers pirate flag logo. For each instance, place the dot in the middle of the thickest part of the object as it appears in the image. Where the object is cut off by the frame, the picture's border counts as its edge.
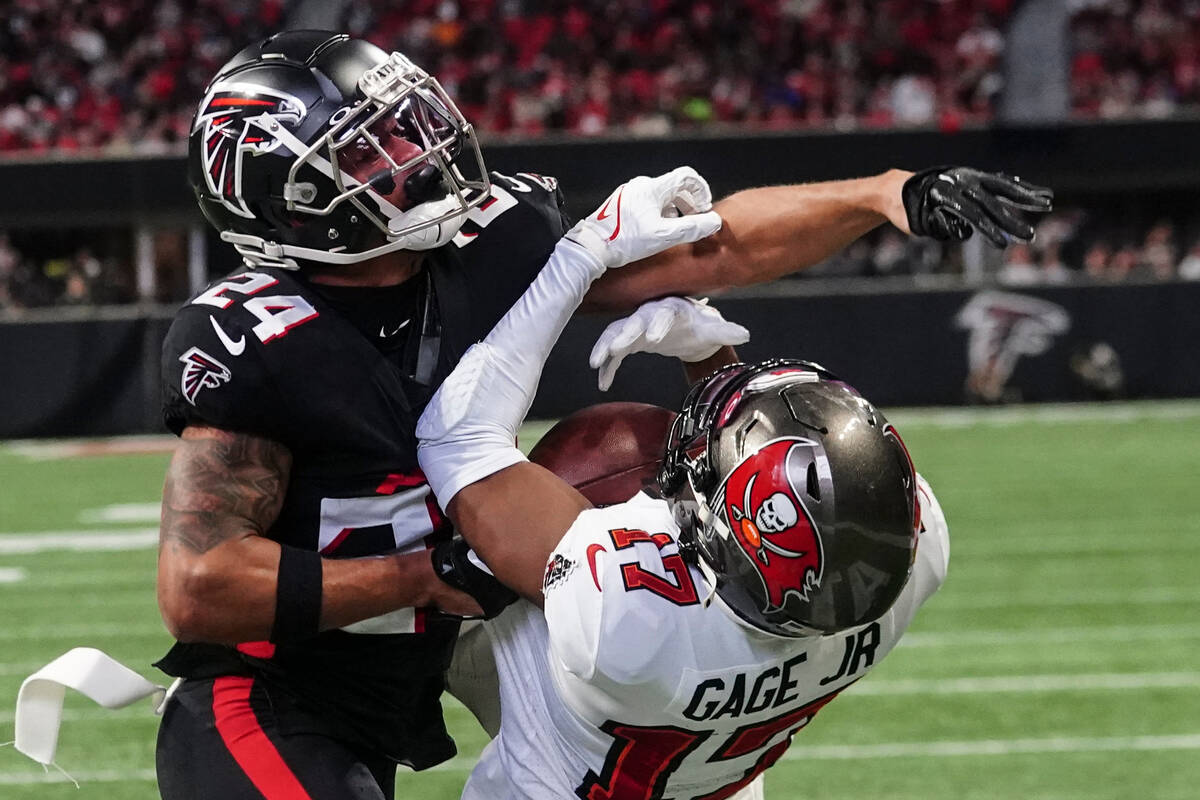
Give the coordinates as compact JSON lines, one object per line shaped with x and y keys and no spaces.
{"x":770,"y":522}
{"x":231,"y":115}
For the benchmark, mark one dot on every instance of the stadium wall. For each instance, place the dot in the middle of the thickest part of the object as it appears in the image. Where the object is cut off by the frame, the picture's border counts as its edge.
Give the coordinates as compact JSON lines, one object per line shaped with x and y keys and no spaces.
{"x":96,"y":371}
{"x":1072,"y":158}
{"x":99,"y":376}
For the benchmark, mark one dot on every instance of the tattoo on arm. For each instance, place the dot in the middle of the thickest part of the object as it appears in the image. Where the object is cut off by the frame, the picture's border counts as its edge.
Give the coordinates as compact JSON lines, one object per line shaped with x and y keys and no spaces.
{"x":222,"y":486}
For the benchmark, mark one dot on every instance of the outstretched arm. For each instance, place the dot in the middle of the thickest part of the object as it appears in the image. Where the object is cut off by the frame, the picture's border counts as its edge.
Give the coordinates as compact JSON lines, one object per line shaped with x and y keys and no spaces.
{"x":773,"y":231}
{"x":512,"y":512}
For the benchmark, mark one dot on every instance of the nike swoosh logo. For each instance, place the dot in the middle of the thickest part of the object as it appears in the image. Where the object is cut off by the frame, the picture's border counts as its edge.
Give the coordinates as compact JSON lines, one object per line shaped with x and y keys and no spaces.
{"x":235,"y":348}
{"x":592,"y":550}
{"x":617,"y":229}
{"x":603,"y":215}
{"x":385,"y":334}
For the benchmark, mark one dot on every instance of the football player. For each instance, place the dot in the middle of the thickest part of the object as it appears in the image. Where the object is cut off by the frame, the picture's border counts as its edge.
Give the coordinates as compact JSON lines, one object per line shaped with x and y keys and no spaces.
{"x":302,"y":555}
{"x":685,"y":638}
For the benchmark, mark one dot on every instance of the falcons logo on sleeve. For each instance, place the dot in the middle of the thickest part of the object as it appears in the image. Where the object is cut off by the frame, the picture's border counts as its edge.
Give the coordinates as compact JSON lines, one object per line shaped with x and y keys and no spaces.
{"x":229,"y":116}
{"x":201,"y":371}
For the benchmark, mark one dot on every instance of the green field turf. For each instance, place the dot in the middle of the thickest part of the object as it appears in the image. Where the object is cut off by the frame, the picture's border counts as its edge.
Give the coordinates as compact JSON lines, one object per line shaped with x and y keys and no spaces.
{"x":1059,"y":661}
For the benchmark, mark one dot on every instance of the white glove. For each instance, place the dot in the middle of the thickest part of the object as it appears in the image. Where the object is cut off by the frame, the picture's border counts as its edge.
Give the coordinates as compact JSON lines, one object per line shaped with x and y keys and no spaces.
{"x":645,"y":216}
{"x":687,"y":329}
{"x":467,"y":431}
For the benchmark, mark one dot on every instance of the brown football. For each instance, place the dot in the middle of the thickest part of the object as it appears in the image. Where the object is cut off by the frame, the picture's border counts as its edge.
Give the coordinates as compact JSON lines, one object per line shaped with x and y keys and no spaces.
{"x":607,"y":451}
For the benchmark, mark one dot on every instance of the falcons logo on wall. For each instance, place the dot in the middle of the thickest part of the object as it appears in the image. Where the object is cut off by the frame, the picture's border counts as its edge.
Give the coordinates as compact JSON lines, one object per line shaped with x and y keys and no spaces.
{"x":201,"y":371}
{"x":226,"y":115}
{"x":1005,"y":326}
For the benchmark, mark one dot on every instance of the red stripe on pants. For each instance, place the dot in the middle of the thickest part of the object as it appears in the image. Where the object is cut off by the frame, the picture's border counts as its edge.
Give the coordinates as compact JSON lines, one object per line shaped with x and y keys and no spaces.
{"x":248,"y":742}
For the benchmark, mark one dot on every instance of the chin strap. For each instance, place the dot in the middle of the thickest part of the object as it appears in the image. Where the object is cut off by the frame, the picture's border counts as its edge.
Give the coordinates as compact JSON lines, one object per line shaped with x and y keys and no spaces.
{"x":431,"y":235}
{"x":258,"y":252}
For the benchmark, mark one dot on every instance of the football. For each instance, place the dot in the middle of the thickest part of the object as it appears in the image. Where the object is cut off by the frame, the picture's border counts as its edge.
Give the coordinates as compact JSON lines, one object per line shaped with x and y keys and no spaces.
{"x":609,"y":451}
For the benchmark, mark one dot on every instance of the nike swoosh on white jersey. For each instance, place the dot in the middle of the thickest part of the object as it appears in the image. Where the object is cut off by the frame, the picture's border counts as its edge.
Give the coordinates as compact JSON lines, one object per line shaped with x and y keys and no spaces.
{"x":385,"y":334}
{"x":234,"y":348}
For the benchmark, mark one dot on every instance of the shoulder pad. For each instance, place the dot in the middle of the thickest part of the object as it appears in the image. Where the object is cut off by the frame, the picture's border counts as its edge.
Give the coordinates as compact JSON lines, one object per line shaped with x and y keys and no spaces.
{"x":524,"y":204}
{"x":213,"y":359}
{"x":593,"y":604}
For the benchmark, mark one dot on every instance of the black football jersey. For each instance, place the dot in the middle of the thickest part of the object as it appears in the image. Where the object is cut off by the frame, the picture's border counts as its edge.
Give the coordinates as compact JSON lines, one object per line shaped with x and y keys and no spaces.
{"x":340,"y":376}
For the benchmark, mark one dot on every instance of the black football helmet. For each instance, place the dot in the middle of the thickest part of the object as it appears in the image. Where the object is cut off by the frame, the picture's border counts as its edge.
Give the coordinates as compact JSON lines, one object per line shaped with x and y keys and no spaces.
{"x":795,"y":496}
{"x":315,"y":146}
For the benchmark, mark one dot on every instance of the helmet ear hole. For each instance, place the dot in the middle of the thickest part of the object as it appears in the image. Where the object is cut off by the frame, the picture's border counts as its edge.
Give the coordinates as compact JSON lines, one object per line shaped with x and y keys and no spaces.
{"x":812,"y":485}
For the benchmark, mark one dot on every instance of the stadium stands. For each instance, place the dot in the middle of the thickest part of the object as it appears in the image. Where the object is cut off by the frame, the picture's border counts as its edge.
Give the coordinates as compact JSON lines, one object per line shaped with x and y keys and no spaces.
{"x":121,"y":77}
{"x":124,"y":76}
{"x":1135,"y":59}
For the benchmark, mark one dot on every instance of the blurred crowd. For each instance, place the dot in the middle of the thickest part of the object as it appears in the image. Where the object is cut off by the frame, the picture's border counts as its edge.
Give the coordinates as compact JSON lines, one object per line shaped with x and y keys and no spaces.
{"x":119,"y":76}
{"x":126,"y":74}
{"x":77,"y":277}
{"x":647,"y":68}
{"x":88,"y":268}
{"x":1134,"y":58}
{"x":1070,"y":246}
{"x":122,"y":75}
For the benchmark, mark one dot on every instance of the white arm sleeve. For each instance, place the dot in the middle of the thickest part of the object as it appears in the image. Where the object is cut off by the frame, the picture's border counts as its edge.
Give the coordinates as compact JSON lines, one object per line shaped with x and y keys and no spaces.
{"x":469,"y":429}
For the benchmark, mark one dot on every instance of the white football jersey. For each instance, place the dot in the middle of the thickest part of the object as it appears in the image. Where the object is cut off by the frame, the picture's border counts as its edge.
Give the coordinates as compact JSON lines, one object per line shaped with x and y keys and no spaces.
{"x":632,"y":686}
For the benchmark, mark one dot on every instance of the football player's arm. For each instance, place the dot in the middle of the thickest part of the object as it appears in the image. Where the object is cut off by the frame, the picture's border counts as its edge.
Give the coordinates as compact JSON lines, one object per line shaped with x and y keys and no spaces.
{"x":514,"y":519}
{"x":513,"y":512}
{"x":773,"y":231}
{"x":694,"y":371}
{"x":217,"y":572}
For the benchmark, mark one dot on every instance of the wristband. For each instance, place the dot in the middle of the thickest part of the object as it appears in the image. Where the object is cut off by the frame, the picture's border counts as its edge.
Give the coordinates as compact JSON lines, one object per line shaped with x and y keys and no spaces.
{"x":297,"y":595}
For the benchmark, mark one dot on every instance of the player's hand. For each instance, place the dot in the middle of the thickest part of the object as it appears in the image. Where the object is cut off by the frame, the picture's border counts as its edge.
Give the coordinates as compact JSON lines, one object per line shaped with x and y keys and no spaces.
{"x":646,"y":216}
{"x":687,"y":329}
{"x":949,"y":203}
{"x":457,"y":565}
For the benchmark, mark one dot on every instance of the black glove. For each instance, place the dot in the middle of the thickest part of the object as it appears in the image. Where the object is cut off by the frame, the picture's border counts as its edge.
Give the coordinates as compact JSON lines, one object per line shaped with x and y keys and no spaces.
{"x":453,"y":565}
{"x":948,"y":203}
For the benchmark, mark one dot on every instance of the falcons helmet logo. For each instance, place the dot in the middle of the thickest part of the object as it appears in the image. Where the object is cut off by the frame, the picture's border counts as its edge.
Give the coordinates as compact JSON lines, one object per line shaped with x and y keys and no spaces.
{"x":771,"y":523}
{"x":232,"y":117}
{"x":201,"y":371}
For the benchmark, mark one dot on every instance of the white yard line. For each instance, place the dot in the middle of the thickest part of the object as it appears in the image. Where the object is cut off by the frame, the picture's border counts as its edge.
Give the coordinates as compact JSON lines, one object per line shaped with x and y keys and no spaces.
{"x":1117,"y":681}
{"x":127,"y":513}
{"x":79,"y":541}
{"x":1047,"y":413}
{"x":937,"y":686}
{"x":12,"y":575}
{"x":84,"y":778}
{"x":96,"y":714}
{"x":994,"y":747}
{"x":798,"y":752}
{"x":1097,"y":597}
{"x":1116,"y":633}
{"x":1099,"y":544}
{"x":43,"y":632}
